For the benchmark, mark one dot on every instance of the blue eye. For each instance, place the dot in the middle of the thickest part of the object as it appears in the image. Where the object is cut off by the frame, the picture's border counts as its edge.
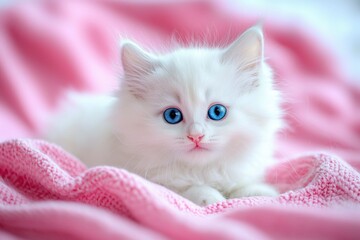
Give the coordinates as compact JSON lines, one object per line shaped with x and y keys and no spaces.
{"x":172,"y":115}
{"x":217,"y":112}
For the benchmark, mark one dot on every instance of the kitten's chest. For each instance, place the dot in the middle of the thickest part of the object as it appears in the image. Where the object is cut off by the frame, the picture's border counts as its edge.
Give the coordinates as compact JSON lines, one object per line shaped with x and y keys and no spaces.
{"x":181,"y":179}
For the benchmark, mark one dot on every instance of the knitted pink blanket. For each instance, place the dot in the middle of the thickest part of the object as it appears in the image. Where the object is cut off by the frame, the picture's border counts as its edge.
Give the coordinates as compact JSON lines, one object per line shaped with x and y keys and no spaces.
{"x":48,"y":46}
{"x":47,"y":194}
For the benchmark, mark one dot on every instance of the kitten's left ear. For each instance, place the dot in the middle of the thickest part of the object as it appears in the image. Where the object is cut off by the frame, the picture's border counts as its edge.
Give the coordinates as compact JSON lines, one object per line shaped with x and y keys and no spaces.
{"x":248,"y":50}
{"x":135,"y":60}
{"x":137,"y":64}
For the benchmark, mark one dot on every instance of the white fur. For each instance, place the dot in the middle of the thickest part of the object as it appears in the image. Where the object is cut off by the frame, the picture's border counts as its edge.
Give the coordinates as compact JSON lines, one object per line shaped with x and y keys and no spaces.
{"x":129,"y":131}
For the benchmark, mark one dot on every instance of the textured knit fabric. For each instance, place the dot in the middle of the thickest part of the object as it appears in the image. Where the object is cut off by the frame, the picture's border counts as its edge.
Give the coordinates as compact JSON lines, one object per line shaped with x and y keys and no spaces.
{"x":45,"y":193}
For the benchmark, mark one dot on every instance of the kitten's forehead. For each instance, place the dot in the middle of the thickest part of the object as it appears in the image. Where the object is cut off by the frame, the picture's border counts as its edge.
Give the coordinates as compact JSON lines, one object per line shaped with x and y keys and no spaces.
{"x":192,"y":63}
{"x":195,"y":75}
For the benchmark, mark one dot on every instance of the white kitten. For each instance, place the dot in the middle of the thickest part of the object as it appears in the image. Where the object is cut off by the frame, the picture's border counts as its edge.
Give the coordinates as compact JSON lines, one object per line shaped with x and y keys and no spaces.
{"x":199,"y":121}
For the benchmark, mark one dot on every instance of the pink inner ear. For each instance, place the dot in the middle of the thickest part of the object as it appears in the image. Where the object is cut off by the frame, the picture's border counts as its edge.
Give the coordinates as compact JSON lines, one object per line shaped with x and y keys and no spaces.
{"x":137,"y":65}
{"x":247,"y":50}
{"x":136,"y":88}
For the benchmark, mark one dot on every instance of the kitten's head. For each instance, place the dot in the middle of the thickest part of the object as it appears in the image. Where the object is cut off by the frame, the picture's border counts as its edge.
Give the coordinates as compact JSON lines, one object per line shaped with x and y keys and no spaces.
{"x":197,"y":105}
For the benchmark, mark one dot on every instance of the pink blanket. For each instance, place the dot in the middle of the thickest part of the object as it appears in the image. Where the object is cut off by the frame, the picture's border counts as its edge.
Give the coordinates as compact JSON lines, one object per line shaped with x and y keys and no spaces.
{"x":48,"y":46}
{"x":47,"y":194}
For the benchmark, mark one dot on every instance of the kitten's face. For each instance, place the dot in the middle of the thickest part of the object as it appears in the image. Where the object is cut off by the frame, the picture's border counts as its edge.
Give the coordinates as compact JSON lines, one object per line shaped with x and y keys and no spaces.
{"x":196,"y":105}
{"x":191,"y":105}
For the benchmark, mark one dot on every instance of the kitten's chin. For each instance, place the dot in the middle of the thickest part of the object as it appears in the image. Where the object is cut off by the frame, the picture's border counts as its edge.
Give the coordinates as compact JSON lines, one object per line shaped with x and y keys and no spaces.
{"x":199,"y":154}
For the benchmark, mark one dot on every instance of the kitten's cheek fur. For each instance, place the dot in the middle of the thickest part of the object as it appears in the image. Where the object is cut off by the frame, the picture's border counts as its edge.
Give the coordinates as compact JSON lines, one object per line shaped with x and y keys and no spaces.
{"x":203,"y":195}
{"x":257,"y":189}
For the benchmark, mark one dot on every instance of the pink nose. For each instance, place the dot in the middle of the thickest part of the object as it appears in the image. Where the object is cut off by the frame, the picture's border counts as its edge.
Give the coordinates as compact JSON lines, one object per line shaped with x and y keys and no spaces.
{"x":195,"y":139}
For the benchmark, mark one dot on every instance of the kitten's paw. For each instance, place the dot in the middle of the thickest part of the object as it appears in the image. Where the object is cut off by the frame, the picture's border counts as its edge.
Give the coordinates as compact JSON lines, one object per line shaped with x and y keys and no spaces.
{"x":259,"y":189}
{"x":203,"y":195}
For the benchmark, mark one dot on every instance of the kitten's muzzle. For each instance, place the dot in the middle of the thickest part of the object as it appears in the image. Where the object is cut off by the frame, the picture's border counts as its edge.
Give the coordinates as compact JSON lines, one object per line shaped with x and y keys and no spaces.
{"x":195,"y":139}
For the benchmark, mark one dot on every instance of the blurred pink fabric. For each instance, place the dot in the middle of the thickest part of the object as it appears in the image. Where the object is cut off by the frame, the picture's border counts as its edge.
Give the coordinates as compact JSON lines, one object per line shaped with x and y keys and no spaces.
{"x":47,"y":47}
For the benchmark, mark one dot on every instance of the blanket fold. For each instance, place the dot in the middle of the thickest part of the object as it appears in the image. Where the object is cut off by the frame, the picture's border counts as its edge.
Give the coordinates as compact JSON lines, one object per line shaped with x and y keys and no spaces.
{"x":35,"y":173}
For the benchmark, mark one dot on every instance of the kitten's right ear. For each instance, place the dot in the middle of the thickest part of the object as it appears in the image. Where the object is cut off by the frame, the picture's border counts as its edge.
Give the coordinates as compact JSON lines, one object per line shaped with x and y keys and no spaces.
{"x":136,"y":63}
{"x":248,"y":50}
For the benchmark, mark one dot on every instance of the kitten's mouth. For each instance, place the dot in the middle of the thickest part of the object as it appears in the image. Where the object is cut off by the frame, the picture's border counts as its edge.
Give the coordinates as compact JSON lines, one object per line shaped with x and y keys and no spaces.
{"x":198,"y":148}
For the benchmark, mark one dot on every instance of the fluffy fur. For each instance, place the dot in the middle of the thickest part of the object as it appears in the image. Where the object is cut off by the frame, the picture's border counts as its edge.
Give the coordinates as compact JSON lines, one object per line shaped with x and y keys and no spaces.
{"x":129,"y":131}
